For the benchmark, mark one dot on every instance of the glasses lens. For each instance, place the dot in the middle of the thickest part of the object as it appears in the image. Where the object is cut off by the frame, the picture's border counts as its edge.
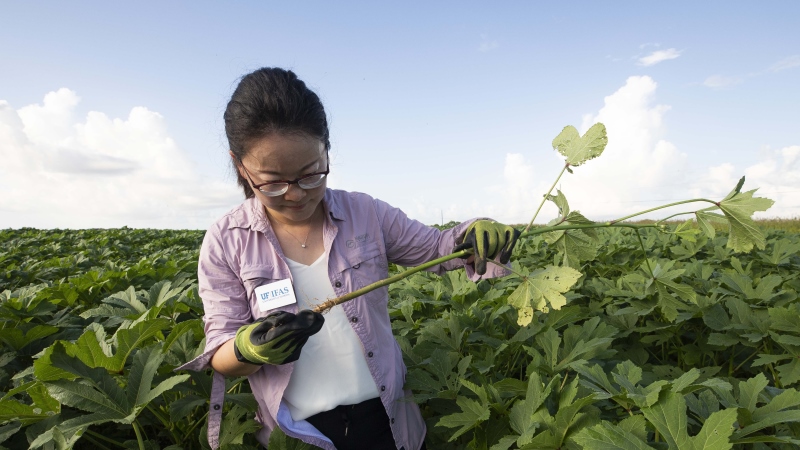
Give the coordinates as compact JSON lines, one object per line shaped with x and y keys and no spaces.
{"x":312,"y":181}
{"x":273,"y":190}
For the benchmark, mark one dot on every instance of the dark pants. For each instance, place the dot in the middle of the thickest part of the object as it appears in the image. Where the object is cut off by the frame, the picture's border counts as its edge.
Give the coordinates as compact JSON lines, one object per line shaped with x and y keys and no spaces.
{"x":364,"y":426}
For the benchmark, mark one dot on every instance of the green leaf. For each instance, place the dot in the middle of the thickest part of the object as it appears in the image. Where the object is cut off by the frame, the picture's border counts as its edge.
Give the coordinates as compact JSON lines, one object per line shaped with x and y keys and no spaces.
{"x":705,"y":219}
{"x":789,"y":398}
{"x":775,"y":418}
{"x":736,"y":190}
{"x":739,"y":209}
{"x":8,"y":430}
{"x":575,"y":246}
{"x":685,"y":380}
{"x":561,"y":202}
{"x":280,"y":441}
{"x":749,"y":390}
{"x":473,"y":413}
{"x":579,"y":149}
{"x":521,"y":416}
{"x":13,"y":410}
{"x":716,"y":431}
{"x":608,"y":436}
{"x":789,"y":373}
{"x":16,"y":338}
{"x":234,"y":429}
{"x":541,"y":288}
{"x":668,"y":416}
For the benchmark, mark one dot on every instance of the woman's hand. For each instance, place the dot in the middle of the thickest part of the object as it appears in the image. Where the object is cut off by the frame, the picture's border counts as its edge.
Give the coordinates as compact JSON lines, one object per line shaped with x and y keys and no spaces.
{"x":276,"y":338}
{"x":489,"y":239}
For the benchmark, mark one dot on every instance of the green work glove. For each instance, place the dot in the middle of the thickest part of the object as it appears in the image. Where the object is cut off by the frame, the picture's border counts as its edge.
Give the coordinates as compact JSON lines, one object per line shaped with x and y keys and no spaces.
{"x":489,"y":239}
{"x":276,"y":338}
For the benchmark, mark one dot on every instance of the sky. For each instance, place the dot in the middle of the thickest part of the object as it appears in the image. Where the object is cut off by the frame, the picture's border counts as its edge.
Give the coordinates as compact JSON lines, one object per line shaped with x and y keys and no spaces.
{"x":111,"y":113}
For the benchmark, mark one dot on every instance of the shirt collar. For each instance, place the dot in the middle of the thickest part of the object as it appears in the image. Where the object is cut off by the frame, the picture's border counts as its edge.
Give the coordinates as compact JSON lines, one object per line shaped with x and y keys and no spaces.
{"x":252,"y":212}
{"x":334,"y":209}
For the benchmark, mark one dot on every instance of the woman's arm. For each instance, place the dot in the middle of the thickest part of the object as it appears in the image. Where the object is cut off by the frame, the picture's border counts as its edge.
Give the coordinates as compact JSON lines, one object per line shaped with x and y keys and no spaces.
{"x":224,"y":361}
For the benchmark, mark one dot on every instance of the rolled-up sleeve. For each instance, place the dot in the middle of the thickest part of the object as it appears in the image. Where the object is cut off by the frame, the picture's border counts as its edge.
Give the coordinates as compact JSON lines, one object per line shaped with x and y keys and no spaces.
{"x":410,"y":243}
{"x":225,"y":302}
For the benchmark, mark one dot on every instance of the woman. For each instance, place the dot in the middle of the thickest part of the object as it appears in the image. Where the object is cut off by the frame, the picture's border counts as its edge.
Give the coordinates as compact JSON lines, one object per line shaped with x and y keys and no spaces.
{"x":292,"y":244}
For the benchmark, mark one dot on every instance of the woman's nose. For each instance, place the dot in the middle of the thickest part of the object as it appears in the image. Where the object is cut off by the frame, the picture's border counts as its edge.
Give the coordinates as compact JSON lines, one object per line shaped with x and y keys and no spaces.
{"x":294,"y":193}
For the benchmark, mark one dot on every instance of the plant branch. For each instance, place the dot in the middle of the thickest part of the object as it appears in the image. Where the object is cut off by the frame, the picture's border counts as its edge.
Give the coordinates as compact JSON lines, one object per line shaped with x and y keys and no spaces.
{"x":674,"y":215}
{"x":544,"y":199}
{"x":543,"y":230}
{"x":664,"y":206}
{"x":328,"y":304}
{"x":325,"y":306}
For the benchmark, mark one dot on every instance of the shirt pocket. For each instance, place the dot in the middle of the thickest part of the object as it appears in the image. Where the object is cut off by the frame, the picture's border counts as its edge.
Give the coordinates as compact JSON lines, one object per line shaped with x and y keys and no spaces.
{"x":259,"y":275}
{"x":366,"y":265}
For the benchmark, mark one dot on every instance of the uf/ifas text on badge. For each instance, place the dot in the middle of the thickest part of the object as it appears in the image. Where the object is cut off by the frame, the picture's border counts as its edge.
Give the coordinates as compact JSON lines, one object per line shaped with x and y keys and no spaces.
{"x":274,"y":295}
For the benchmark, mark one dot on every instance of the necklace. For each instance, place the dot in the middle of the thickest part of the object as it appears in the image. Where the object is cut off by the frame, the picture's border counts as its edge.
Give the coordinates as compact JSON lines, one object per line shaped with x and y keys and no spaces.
{"x":303,"y":243}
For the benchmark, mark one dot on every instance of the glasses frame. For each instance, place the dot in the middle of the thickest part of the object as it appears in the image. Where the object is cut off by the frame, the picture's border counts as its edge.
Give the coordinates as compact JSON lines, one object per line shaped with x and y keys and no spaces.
{"x":286,"y":182}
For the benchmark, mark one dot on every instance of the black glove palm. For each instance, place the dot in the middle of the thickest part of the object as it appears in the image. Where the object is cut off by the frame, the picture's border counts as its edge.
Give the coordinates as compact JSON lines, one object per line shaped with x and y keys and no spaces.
{"x":276,"y":338}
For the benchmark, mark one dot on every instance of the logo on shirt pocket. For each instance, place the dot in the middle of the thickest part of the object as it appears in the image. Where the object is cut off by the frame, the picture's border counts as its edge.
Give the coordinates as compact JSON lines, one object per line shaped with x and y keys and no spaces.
{"x":358,"y":241}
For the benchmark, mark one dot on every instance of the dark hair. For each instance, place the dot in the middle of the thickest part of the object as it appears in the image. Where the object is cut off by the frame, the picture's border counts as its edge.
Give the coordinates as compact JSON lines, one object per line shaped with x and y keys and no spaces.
{"x":267,"y":101}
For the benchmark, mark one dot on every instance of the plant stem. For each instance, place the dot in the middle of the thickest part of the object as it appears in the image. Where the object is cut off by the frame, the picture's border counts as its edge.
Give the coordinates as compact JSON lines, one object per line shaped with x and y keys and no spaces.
{"x":106,"y":439}
{"x":659,"y":222}
{"x":544,"y":199}
{"x":196,"y":423}
{"x":745,"y":360}
{"x":543,"y":230}
{"x":138,"y":435}
{"x":96,"y":443}
{"x":328,"y":304}
{"x":519,"y":274}
{"x":644,"y":251}
{"x":325,"y":306}
{"x":662,"y":207}
{"x":387,"y":281}
{"x":166,"y":423}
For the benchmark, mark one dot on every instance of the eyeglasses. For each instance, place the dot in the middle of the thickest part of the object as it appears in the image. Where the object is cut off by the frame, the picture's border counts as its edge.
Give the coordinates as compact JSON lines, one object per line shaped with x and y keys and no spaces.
{"x":279,"y":187}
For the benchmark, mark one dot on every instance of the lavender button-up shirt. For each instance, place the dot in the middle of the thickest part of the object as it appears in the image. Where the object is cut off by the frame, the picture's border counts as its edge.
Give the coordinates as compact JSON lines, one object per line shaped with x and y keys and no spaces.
{"x":361,"y":235}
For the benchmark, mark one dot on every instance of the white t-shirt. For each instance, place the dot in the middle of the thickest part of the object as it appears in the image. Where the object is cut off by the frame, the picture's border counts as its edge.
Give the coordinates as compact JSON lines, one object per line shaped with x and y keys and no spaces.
{"x":332,"y":369}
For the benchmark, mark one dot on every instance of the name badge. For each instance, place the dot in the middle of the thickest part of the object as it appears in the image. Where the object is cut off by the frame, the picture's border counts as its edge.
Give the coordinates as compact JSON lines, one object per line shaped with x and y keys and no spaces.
{"x":275,"y":295}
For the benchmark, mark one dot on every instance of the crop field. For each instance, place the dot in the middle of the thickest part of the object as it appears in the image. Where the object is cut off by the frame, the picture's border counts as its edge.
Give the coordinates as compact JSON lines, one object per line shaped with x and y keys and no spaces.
{"x":666,"y":340}
{"x":607,"y":335}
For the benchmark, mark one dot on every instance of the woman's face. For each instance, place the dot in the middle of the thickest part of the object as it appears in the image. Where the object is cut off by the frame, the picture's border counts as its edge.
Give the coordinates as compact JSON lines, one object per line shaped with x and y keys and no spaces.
{"x":287,"y":157}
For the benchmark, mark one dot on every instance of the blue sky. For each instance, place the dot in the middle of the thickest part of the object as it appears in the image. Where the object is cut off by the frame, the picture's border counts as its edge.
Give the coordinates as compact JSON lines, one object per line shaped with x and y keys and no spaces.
{"x":110,"y":114}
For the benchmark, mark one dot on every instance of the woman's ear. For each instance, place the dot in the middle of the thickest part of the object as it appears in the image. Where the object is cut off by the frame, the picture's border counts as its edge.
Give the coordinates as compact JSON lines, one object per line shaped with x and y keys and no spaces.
{"x":236,"y":163}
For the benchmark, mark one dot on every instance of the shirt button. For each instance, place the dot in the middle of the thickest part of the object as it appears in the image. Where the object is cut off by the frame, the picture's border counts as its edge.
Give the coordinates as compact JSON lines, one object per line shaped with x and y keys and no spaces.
{"x":369,"y":354}
{"x":354,"y":319}
{"x":357,"y":266}
{"x":216,"y":407}
{"x":383,"y":388}
{"x":338,"y":284}
{"x":392,"y":419}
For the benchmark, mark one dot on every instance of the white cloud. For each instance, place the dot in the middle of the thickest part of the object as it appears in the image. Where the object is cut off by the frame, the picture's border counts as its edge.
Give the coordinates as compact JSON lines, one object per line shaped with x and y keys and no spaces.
{"x":487,"y":44}
{"x":659,"y":56}
{"x":776,"y":175}
{"x":785,"y":63}
{"x":719,"y":81}
{"x":722,"y":81}
{"x":637,"y":162}
{"x":63,"y":171}
{"x":639,"y":169}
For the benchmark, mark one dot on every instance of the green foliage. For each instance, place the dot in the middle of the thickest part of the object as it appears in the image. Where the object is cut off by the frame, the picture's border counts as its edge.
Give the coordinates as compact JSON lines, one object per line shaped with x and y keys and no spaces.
{"x":606,"y":336}
{"x":92,"y":324}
